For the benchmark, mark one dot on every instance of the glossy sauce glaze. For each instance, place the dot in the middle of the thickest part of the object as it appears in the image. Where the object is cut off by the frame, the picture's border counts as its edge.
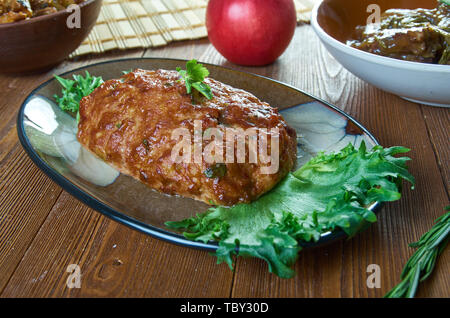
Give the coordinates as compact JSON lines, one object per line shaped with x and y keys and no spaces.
{"x":129,"y":122}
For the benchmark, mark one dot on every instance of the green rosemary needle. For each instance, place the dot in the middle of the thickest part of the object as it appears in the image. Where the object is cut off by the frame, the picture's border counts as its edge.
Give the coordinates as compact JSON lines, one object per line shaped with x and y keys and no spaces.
{"x":421,"y":264}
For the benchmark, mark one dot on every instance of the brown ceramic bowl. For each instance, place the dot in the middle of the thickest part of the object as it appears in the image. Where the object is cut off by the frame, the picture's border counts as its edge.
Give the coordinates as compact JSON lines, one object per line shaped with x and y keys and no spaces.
{"x":334,"y":22}
{"x":44,"y":41}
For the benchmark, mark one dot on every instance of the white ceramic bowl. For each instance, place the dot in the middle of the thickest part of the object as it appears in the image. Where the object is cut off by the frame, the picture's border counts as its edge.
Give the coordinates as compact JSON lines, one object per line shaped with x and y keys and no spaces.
{"x":418,"y":82}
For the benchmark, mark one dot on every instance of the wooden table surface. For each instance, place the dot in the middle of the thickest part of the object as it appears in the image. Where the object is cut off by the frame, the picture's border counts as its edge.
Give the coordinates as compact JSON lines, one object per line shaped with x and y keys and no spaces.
{"x":43,"y":229}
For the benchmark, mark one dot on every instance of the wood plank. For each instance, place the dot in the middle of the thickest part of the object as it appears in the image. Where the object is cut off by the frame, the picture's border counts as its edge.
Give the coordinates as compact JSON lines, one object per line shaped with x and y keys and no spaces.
{"x":26,"y":194}
{"x":437,"y":120}
{"x":114,"y":261}
{"x":121,"y":262}
{"x":438,"y":123}
{"x":26,"y":197}
{"x":60,"y":242}
{"x":185,"y":50}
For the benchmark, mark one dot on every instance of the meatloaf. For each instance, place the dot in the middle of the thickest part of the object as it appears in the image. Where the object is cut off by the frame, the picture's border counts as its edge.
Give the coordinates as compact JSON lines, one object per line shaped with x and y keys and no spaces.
{"x":130,"y":123}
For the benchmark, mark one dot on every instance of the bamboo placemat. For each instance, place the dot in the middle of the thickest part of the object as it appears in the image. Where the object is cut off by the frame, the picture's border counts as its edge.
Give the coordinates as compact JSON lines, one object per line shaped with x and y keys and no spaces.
{"x":127,"y":24}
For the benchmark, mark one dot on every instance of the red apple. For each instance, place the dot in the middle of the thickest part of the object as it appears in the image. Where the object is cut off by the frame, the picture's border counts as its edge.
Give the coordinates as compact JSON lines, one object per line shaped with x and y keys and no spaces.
{"x":251,"y":32}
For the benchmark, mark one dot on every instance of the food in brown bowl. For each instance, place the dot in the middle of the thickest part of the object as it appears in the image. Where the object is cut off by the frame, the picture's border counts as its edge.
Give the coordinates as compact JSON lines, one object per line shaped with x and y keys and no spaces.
{"x":38,"y":34}
{"x":16,"y":10}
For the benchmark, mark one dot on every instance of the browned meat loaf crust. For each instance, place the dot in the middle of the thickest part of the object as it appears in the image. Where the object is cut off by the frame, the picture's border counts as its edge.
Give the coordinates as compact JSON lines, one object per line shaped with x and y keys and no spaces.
{"x":128,"y":122}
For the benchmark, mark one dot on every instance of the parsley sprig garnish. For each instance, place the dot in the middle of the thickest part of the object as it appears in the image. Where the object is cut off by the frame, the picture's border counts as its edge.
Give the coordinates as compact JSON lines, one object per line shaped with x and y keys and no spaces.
{"x":421,"y":264}
{"x":74,"y":90}
{"x":193,"y":77}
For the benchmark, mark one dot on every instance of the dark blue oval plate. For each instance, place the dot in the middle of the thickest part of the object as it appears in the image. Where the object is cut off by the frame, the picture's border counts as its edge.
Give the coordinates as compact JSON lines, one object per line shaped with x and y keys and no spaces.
{"x":48,"y":136}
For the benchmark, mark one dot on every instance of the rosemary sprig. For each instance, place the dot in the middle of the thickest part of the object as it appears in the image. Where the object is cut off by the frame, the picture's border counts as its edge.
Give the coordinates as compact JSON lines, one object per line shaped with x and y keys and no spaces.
{"x":421,"y":264}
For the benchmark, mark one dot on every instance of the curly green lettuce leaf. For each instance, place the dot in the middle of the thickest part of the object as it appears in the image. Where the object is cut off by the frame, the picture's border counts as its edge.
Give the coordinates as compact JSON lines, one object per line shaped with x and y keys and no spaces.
{"x":330,"y":192}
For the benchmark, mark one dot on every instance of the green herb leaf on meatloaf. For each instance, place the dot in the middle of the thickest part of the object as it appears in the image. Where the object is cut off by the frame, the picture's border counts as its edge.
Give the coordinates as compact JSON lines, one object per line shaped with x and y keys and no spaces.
{"x":330,"y":192}
{"x":193,"y":77}
{"x":74,"y":90}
